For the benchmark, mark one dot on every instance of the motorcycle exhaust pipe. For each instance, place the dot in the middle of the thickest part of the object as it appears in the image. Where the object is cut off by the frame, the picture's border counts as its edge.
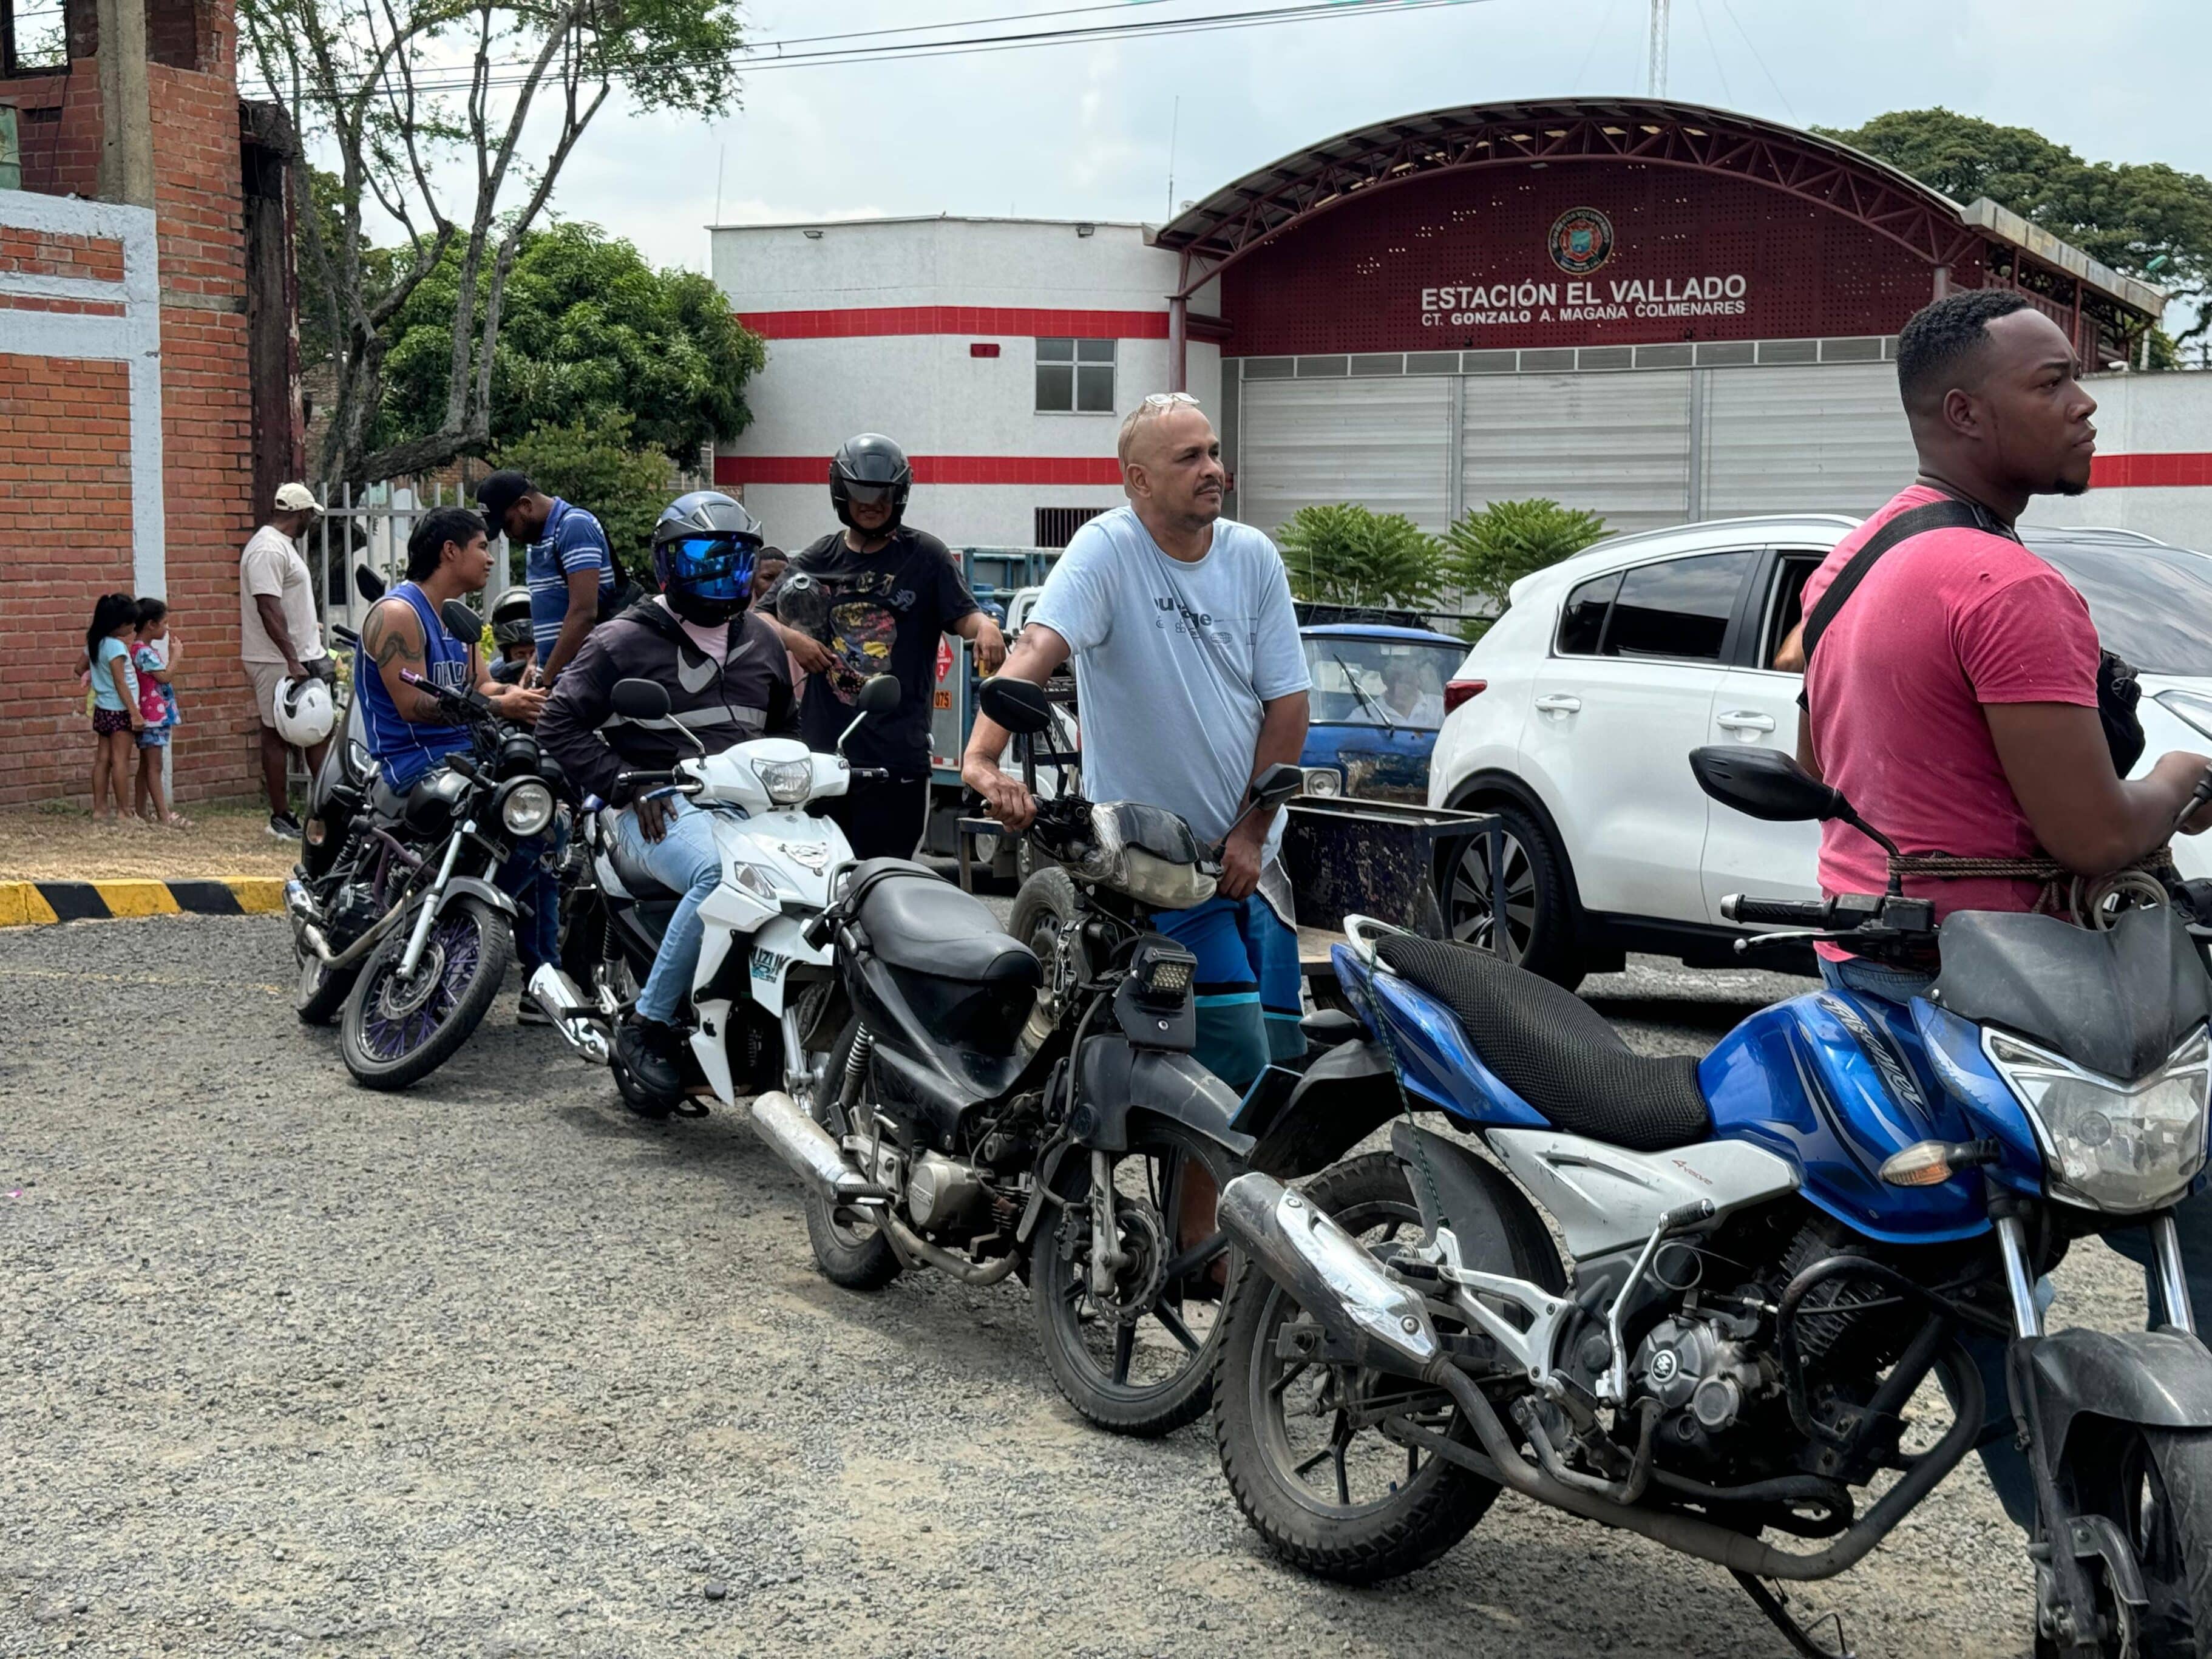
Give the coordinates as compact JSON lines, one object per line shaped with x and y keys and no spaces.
{"x":562,"y":999}
{"x":299,"y":903}
{"x":1329,"y":1274}
{"x":811,"y":1150}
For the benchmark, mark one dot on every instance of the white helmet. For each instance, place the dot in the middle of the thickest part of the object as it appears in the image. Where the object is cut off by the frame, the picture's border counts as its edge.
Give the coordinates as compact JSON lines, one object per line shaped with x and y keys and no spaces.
{"x":304,"y":715}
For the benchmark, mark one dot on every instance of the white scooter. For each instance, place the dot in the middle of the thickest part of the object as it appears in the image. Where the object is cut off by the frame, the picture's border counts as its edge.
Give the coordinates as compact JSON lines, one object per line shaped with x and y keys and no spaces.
{"x":766,"y":1006}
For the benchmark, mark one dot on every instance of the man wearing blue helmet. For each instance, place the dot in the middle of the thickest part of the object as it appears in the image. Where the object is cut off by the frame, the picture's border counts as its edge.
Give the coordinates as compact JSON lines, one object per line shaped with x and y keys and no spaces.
{"x":729,"y":681}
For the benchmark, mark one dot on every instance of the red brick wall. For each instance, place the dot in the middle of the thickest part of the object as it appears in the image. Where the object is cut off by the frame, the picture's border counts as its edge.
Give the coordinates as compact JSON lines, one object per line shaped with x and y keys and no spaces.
{"x":207,"y":415}
{"x":65,"y":431}
{"x":59,"y":561}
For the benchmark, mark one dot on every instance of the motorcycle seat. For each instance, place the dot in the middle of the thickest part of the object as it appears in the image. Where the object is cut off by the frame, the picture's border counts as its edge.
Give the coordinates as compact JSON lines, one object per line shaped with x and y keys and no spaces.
{"x":1555,"y":1051}
{"x":638,"y":881}
{"x":919,"y":922}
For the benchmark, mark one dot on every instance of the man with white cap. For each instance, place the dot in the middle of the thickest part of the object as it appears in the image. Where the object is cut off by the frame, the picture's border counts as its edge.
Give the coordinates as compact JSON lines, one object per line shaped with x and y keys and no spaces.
{"x":279,"y":637}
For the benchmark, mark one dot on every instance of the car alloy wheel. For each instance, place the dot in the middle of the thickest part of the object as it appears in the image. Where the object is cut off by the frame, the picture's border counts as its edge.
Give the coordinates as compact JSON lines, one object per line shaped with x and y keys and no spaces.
{"x":1494,"y":862}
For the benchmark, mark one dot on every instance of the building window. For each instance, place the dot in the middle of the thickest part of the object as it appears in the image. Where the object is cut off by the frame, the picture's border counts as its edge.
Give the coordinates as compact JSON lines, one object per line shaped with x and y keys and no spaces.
{"x":1074,"y":377}
{"x":34,"y":37}
{"x":1056,"y":525}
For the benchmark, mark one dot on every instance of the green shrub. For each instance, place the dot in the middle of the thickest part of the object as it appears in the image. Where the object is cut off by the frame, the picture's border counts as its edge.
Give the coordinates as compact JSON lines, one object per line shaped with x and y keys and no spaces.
{"x":1348,"y":555}
{"x":1486,"y":551}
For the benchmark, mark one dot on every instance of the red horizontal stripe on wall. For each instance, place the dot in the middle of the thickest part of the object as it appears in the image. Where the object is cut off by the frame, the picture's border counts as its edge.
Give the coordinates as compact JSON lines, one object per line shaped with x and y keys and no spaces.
{"x":2151,"y":471}
{"x":867,"y":321}
{"x":927,"y":469}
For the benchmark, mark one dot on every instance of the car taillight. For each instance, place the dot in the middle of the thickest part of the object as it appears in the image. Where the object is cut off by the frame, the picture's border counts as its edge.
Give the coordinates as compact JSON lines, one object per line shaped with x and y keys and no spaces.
{"x":1458,"y":692}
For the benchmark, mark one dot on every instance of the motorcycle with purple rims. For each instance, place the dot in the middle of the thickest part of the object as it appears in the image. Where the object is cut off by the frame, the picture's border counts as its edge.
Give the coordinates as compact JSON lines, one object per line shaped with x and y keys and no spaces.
{"x":1767,"y":1252}
{"x":427,"y":928}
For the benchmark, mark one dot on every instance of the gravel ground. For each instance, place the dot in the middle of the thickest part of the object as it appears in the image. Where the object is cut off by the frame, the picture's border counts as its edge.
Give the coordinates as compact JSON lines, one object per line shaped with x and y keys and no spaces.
{"x":493,"y":1369}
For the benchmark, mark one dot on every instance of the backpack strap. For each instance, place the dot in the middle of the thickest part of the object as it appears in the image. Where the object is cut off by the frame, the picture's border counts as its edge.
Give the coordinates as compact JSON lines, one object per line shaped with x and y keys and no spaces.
{"x":1949,"y":513}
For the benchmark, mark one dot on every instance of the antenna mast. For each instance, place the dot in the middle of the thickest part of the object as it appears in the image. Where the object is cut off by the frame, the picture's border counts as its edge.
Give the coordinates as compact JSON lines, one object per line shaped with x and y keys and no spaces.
{"x":1657,"y":77}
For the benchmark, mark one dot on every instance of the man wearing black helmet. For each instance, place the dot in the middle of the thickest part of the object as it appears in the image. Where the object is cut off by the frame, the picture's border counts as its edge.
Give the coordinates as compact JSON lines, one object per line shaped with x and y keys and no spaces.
{"x":890,"y":591}
{"x":724,"y":669}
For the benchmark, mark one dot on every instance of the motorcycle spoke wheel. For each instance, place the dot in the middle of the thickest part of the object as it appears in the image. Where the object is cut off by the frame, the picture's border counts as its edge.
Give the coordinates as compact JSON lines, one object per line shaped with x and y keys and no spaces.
{"x":1303,"y":1440}
{"x":400,"y":1028}
{"x":1139,"y":1361}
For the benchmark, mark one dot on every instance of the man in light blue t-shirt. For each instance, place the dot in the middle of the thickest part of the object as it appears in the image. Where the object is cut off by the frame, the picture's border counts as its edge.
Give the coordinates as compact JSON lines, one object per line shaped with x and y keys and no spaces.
{"x":1191,"y":681}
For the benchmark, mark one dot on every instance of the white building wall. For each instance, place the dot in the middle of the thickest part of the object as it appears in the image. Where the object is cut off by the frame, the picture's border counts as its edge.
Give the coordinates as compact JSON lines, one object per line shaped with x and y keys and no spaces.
{"x":957,"y":414}
{"x":2148,"y":426}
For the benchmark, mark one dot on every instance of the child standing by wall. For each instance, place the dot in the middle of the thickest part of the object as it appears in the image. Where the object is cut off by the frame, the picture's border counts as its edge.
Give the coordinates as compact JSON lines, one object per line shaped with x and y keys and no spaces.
{"x":157,"y":705}
{"x":115,"y":713}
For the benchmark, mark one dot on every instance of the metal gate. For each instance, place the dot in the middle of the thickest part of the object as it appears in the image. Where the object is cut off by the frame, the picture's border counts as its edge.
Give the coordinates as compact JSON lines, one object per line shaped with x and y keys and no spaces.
{"x":1830,"y":438}
{"x":1384,"y":443}
{"x":374,"y":532}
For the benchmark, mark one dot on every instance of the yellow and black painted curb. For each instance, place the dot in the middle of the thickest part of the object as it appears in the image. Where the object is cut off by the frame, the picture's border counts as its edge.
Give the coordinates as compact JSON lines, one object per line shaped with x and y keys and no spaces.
{"x":28,"y":903}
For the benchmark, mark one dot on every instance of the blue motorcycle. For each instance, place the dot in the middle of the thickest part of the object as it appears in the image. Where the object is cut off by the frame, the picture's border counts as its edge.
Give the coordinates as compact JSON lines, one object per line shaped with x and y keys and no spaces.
{"x":1768,"y":1253}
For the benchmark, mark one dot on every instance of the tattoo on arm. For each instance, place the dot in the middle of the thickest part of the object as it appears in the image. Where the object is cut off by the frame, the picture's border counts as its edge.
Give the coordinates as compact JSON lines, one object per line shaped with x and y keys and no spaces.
{"x":384,"y":641}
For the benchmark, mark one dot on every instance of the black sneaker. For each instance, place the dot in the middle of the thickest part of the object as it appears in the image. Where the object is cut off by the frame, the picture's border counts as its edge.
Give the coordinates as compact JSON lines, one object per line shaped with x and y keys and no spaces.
{"x":647,"y":1050}
{"x":284,"y":827}
{"x":527,"y":1013}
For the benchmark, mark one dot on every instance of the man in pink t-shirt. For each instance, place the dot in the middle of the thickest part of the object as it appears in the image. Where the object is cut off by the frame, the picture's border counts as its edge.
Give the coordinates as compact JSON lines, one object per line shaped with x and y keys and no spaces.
{"x":1953,"y":697}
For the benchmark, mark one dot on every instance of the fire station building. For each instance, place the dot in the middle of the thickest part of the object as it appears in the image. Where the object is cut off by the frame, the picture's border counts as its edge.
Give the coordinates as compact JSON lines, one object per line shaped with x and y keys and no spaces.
{"x":1652,"y":310}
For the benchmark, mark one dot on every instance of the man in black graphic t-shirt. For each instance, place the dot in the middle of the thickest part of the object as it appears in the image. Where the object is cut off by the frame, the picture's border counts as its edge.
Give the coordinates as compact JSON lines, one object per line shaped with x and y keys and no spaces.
{"x":883,"y":594}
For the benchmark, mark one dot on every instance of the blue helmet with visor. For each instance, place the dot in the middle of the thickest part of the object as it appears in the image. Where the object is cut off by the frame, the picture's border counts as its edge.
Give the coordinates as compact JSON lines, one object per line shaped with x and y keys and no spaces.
{"x":702,"y":556}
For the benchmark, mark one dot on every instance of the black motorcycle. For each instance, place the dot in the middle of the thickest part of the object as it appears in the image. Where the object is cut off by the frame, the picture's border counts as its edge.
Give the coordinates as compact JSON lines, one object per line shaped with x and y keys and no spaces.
{"x":407,"y":908}
{"x":964,"y":1124}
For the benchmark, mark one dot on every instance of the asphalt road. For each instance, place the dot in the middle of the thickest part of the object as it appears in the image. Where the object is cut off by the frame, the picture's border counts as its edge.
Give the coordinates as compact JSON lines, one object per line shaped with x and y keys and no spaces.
{"x":492,"y":1367}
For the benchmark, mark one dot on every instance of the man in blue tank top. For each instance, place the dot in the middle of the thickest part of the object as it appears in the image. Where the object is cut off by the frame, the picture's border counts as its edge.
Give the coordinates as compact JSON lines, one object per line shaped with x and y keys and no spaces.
{"x":448,"y":554}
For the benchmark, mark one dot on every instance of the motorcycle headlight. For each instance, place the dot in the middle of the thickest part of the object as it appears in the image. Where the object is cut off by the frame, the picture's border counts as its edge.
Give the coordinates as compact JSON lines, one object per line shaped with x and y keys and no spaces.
{"x":1324,"y":780}
{"x":787,"y":782}
{"x":525,"y":807}
{"x":2110,"y":1146}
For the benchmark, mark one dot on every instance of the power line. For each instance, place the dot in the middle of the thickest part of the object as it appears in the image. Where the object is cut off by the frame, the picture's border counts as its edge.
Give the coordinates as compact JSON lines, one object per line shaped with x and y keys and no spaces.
{"x":1758,"y":59}
{"x":458,"y":80}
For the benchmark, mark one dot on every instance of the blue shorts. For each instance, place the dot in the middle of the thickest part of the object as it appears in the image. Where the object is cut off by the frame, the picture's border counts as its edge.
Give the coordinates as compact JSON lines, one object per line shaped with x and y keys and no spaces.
{"x":1248,"y":985}
{"x":154,"y":737}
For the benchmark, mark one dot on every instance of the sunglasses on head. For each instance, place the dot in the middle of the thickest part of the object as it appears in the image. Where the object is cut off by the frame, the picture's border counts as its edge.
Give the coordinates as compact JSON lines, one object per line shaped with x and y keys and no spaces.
{"x":1169,"y":399}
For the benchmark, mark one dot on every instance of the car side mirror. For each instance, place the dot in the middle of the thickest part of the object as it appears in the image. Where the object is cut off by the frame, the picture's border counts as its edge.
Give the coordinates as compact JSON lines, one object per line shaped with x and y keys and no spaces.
{"x":461,"y":621}
{"x":1765,"y":783}
{"x":641,"y":700}
{"x":878,"y":694}
{"x":1020,"y":705}
{"x":1277,"y":785}
{"x":367,"y":583}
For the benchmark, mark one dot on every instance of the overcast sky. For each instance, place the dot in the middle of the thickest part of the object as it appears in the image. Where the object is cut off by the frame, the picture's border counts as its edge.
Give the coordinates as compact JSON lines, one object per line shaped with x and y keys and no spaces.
{"x":1083,"y":132}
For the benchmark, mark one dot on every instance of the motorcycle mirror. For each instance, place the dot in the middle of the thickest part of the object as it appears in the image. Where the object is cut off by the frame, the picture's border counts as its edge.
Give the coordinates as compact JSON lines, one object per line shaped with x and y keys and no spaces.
{"x":367,"y":583}
{"x":878,"y":694}
{"x":461,"y":620}
{"x":1764,"y":783}
{"x":1277,"y":785}
{"x":1020,"y":705}
{"x":641,"y":700}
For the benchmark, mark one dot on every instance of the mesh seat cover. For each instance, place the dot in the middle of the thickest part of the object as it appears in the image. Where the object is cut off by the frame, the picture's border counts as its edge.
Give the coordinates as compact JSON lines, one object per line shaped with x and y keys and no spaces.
{"x":1555,"y":1051}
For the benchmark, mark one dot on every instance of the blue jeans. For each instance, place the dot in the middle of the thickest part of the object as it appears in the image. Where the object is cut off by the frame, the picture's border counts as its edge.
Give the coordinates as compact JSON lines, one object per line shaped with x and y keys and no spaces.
{"x":2192,"y":1221}
{"x":686,"y":860}
{"x":531,"y":877}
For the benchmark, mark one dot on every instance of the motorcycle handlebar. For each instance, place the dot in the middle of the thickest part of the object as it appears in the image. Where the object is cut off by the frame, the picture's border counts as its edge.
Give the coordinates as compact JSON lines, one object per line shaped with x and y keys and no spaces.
{"x":1779,"y":912}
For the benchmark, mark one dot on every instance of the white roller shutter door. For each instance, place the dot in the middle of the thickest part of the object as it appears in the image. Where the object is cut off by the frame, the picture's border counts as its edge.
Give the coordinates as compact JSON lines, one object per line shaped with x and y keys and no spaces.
{"x":1615,"y":445}
{"x":1384,"y":444}
{"x":1830,"y":438}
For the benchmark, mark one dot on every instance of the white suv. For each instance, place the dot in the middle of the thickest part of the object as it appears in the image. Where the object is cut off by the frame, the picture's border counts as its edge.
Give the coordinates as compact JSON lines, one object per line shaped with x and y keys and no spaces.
{"x":1574,"y":716}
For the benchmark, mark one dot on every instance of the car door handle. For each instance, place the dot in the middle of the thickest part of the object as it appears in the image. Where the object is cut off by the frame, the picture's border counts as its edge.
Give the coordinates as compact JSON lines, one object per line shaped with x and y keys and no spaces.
{"x":1744,"y":720}
{"x":1559,"y":703}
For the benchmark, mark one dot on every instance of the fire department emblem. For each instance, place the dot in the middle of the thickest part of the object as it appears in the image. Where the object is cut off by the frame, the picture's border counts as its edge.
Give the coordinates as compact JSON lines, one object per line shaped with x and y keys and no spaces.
{"x":1582,"y":241}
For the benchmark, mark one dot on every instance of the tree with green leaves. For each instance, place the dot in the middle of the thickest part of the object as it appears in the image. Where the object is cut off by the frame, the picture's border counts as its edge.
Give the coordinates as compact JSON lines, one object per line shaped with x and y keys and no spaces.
{"x":1345,"y":554}
{"x":425,"y":106}
{"x":594,"y":462}
{"x":588,"y":329}
{"x":1490,"y":549}
{"x":2145,"y":218}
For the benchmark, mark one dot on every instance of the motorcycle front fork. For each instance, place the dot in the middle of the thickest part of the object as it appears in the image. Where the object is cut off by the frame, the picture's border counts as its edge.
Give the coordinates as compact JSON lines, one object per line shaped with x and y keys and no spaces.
{"x":2020,"y":1275}
{"x":421,"y":935}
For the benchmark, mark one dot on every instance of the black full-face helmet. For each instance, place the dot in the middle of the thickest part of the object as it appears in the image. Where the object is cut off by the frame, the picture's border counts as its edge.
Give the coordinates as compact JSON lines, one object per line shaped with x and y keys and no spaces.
{"x":702,"y":554}
{"x":868,"y":469}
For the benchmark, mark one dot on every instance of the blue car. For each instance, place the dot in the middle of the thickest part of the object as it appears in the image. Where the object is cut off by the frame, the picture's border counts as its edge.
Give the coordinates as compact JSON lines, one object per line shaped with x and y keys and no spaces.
{"x":1378,"y":697}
